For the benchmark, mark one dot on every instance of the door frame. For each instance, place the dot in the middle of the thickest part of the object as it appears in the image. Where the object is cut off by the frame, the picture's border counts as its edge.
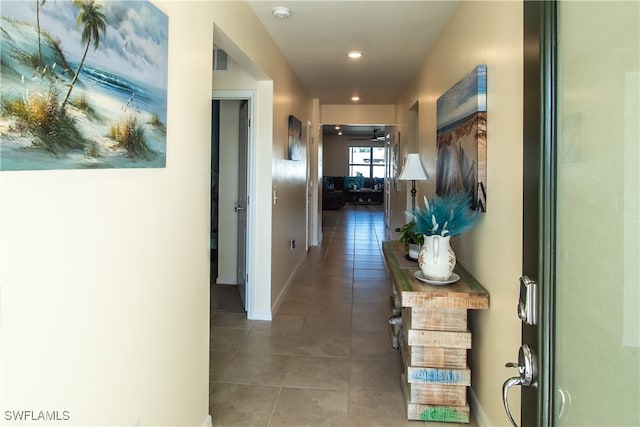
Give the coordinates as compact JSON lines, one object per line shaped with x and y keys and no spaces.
{"x":309,"y":196}
{"x":548,"y":183}
{"x":249,"y":96}
{"x":539,"y":201}
{"x":241,"y":207}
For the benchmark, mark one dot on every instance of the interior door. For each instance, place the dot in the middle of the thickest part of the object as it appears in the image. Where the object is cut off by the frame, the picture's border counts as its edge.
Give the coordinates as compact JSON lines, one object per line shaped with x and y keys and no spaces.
{"x":306,"y":135}
{"x":241,"y":207}
{"x":387,"y":180}
{"x":582,"y":191}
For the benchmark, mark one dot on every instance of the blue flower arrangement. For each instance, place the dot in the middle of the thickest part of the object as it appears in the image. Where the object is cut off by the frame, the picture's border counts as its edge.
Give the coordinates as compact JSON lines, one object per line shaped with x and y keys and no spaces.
{"x":449,"y":215}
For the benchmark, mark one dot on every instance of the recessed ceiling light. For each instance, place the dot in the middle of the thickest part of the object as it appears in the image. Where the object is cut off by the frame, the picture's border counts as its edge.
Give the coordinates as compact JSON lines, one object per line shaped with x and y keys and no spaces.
{"x":355,"y":98}
{"x":355,"y":54}
{"x":337,"y":127}
{"x":281,"y":12}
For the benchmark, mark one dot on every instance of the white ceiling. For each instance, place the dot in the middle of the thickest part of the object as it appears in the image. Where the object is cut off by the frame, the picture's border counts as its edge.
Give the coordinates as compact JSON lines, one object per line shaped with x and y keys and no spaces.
{"x":394,"y":36}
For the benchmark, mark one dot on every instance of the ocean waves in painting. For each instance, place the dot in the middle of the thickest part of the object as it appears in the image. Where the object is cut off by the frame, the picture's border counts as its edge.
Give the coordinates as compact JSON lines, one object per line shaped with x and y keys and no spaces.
{"x":137,"y":95}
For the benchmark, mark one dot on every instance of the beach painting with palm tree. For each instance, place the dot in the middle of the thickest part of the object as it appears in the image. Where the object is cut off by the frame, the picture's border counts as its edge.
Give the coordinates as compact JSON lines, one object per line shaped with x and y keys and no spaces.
{"x":461,"y":163}
{"x":84,"y":84}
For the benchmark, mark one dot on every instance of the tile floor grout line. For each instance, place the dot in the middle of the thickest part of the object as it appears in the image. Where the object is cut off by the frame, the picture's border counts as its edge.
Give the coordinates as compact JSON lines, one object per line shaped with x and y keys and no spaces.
{"x":275,"y":404}
{"x":324,"y":258}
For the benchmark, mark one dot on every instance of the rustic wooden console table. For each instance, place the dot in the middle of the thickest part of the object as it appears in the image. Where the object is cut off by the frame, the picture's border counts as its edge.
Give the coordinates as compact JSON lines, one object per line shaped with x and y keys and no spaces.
{"x":435,"y":338}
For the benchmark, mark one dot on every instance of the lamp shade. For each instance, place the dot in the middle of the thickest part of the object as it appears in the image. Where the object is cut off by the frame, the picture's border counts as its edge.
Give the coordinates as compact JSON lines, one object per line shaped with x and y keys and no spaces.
{"x":413,"y":169}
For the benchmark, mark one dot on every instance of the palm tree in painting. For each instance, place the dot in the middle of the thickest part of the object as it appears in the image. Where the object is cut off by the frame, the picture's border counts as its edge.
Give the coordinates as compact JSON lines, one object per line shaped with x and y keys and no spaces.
{"x":38,"y":4}
{"x":94,"y":22}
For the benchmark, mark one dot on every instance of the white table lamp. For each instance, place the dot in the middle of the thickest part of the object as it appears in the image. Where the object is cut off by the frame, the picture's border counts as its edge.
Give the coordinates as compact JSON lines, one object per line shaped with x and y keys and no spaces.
{"x":413,"y":170}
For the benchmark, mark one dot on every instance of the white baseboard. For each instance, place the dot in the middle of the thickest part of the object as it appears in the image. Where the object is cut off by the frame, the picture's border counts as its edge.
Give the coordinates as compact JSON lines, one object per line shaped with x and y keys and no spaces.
{"x":276,"y":305}
{"x":478,"y":412}
{"x":208,"y":422}
{"x":226,"y":280}
{"x":260,"y":315}
{"x":278,"y":302}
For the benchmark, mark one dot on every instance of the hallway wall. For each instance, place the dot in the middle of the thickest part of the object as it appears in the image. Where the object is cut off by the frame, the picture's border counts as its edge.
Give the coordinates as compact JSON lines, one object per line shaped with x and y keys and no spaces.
{"x":104,"y":273}
{"x":336,"y":153}
{"x":332,"y":114}
{"x":482,"y":33}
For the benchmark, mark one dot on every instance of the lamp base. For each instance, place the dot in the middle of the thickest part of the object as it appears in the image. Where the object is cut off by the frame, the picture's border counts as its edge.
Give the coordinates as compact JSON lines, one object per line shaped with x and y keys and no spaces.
{"x":413,"y":195}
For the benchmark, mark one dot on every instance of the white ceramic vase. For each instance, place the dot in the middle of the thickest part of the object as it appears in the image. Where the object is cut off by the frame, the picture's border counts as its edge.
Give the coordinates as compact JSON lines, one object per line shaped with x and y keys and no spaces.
{"x":437,"y":259}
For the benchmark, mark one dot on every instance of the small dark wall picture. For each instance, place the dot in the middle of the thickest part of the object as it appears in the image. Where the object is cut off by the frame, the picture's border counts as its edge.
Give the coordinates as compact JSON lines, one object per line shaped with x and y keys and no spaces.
{"x":462,"y":139}
{"x":395,"y":162}
{"x":295,"y":139}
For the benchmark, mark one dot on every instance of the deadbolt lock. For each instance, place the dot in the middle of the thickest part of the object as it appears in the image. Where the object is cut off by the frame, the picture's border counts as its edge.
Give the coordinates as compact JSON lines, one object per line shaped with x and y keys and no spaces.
{"x":527,"y":310}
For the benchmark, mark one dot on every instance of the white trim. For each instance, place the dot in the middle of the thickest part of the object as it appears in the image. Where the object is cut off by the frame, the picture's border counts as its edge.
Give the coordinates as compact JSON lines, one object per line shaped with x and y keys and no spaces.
{"x":226,"y":281}
{"x":261,"y":315}
{"x":478,"y":413}
{"x":276,"y":305}
{"x":249,"y":95}
{"x":208,"y":421}
{"x":310,"y":223}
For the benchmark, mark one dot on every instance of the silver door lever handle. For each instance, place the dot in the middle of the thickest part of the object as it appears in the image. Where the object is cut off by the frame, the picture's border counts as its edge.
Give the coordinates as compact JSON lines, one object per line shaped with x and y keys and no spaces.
{"x":238,"y":208}
{"x":513,"y":381}
{"x":528,"y":372}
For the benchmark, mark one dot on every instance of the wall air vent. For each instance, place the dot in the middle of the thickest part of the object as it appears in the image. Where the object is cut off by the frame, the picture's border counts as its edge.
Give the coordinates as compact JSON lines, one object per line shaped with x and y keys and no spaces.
{"x":220,"y":60}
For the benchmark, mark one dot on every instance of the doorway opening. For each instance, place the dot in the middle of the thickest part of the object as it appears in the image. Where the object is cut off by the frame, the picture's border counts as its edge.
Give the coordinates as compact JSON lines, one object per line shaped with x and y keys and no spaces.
{"x":231,"y":148}
{"x":354,"y":161}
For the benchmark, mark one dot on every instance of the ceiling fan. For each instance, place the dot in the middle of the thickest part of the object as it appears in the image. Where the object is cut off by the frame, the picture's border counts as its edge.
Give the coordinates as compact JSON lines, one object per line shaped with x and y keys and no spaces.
{"x":378,"y":135}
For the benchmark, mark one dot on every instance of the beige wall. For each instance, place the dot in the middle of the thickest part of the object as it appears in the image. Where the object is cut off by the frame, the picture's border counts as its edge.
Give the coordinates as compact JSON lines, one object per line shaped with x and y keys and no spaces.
{"x":336,"y":153}
{"x":357,"y":114}
{"x":289,"y":184}
{"x":482,"y":33}
{"x":104,"y":274}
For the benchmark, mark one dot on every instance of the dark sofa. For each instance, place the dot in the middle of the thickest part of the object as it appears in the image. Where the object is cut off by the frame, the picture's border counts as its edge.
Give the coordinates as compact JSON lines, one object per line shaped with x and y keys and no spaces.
{"x":337,"y":190}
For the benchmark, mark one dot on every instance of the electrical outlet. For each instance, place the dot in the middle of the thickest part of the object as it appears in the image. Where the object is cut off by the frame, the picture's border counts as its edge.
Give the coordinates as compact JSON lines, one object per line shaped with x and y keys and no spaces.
{"x":292,"y":244}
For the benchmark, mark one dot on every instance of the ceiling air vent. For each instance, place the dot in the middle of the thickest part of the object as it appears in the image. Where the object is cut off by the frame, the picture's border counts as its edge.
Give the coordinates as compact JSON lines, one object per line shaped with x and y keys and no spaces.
{"x":220,"y":60}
